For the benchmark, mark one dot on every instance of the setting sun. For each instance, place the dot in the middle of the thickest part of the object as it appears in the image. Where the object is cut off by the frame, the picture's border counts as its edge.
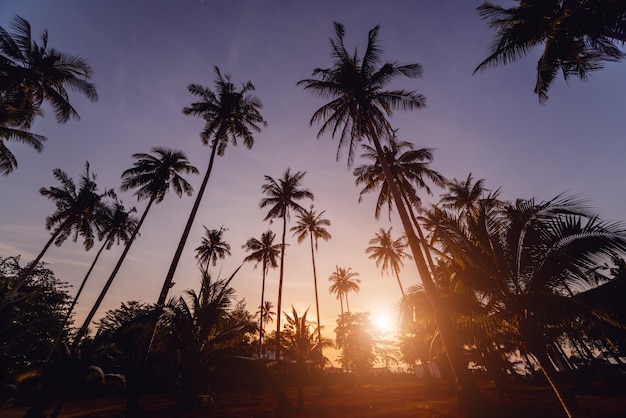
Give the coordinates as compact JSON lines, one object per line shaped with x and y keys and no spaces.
{"x":383,"y":321}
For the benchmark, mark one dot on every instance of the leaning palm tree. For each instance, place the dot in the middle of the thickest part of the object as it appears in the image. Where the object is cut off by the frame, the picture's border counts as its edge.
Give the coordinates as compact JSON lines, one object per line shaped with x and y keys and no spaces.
{"x":311,"y":224}
{"x":577,"y":36}
{"x":282,"y":196}
{"x":388,"y":253}
{"x":31,"y":74}
{"x":264,"y":251}
{"x":153,"y":175}
{"x":229,"y":114}
{"x":358,"y":109}
{"x":78,"y":211}
{"x":343,"y":281}
{"x":212,"y":247}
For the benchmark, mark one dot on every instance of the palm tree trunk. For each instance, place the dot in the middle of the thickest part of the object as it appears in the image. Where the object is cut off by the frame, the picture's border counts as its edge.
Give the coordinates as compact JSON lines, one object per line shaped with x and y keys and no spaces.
{"x":280,"y":286}
{"x":317,"y":301}
{"x":167,"y":283}
{"x":31,"y":266}
{"x":105,"y":289}
{"x":472,"y":400}
{"x":262,"y":310}
{"x":57,"y":340}
{"x":399,"y":283}
{"x":347,"y":304}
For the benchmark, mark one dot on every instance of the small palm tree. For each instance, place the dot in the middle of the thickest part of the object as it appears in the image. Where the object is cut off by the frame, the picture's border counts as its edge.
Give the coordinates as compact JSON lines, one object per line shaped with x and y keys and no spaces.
{"x":463,"y":195}
{"x":264,"y":251}
{"x":343,"y":281}
{"x":388,"y":253}
{"x":33,"y":73}
{"x":212,"y":247}
{"x":311,"y":224}
{"x":282,"y":196}
{"x":78,"y":211}
{"x":229,"y":114}
{"x":153,"y":175}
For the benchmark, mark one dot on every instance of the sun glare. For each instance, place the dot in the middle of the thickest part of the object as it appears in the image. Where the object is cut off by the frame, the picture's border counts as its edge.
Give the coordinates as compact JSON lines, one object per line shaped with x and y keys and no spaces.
{"x":383,"y":321}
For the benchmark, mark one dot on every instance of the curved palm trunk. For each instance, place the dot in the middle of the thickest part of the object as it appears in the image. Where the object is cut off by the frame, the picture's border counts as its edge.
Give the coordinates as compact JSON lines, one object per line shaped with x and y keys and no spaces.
{"x":472,"y":400}
{"x":317,"y":301}
{"x":29,"y":269}
{"x":57,"y":340}
{"x":280,"y":287}
{"x":167,"y":283}
{"x":105,"y":289}
{"x":262,"y":310}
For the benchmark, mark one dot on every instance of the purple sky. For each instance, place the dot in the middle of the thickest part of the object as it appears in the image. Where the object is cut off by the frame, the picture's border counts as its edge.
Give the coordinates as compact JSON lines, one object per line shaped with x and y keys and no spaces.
{"x":146,"y":52}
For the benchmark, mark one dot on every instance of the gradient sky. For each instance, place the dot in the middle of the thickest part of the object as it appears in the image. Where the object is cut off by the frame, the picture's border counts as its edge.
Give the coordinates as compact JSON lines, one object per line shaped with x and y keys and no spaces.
{"x":146,"y":52}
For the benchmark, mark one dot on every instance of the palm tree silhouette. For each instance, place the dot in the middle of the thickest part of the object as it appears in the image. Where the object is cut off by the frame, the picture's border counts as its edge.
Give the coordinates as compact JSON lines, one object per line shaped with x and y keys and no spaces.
{"x":78,"y":211}
{"x":343,"y":281}
{"x":212,"y":247}
{"x":578,"y":37}
{"x":229,"y":114}
{"x":282,"y":196}
{"x":388,"y":253}
{"x":264,"y":251}
{"x":33,"y":73}
{"x":152,"y":175}
{"x":358,"y":109}
{"x":311,"y":224}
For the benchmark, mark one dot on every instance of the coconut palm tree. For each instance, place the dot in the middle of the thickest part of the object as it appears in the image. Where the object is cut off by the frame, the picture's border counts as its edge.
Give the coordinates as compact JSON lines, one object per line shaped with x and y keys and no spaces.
{"x":343,"y":281}
{"x":78,"y":211}
{"x":32,"y":73}
{"x":153,"y":175}
{"x":282,"y":196}
{"x":311,"y":224}
{"x":264,"y":251}
{"x":229,"y":114}
{"x":577,"y":36}
{"x":212,"y":247}
{"x":462,"y":195}
{"x":117,"y":225}
{"x":388,"y":253}
{"x":358,"y":109}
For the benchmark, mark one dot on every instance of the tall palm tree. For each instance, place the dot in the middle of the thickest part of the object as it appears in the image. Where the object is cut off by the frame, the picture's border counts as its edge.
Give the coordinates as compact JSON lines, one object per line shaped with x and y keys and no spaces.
{"x":463,"y":195}
{"x":311,"y":224}
{"x":117,"y":225}
{"x":578,"y":36}
{"x":78,"y":211}
{"x":229,"y":114}
{"x":282,"y":196}
{"x":212,"y":247}
{"x":31,"y":73}
{"x":358,"y":109}
{"x":388,"y":252}
{"x":152,"y":175}
{"x":343,"y":281}
{"x":264,"y":251}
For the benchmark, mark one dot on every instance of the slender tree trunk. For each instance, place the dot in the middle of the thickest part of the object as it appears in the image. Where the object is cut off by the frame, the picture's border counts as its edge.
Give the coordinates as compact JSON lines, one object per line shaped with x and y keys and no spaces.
{"x":472,"y":400}
{"x":280,"y":286}
{"x":57,"y":340}
{"x":317,"y":301}
{"x":105,"y":289}
{"x":399,"y":283}
{"x":262,"y":310}
{"x":28,"y":270}
{"x":167,"y":283}
{"x":347,"y":304}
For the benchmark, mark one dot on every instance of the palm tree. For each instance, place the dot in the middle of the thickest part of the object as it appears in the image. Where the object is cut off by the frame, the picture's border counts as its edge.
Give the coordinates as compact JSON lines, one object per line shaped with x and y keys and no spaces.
{"x":212,"y":247}
{"x":311,"y":224}
{"x":463,"y":195}
{"x":229,"y":114}
{"x":264,"y":251}
{"x":153,"y":175}
{"x":78,"y":211}
{"x":358,"y":109}
{"x":282,"y":196}
{"x":343,"y":281}
{"x":118,"y":225}
{"x":578,"y":36}
{"x":31,"y":73}
{"x":388,"y":253}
